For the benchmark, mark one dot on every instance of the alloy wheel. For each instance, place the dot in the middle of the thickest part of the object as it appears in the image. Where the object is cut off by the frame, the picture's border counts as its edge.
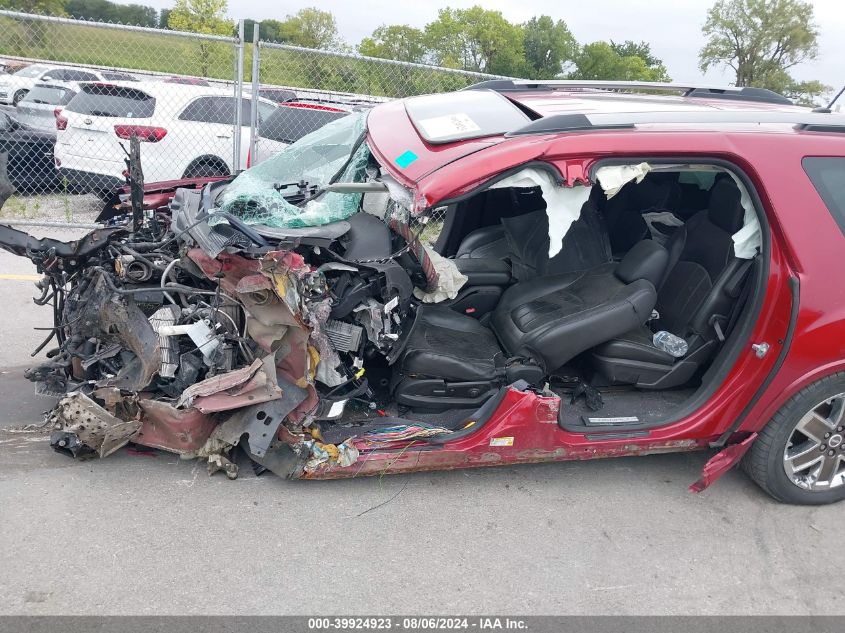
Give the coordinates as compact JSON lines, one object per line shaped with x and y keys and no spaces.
{"x":814,"y":457}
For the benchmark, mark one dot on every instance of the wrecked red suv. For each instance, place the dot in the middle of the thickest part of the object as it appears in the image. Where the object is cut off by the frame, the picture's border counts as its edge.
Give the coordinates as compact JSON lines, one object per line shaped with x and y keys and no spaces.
{"x":516,"y":272}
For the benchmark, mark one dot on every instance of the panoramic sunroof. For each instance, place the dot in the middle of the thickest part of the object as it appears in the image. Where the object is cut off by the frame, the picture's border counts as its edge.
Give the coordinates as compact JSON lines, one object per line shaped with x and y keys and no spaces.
{"x":458,"y":116}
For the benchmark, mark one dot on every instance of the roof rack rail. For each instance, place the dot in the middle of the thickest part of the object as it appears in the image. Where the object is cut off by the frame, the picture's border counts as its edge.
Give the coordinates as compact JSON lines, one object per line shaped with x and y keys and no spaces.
{"x":805,"y":121}
{"x":743,"y":93}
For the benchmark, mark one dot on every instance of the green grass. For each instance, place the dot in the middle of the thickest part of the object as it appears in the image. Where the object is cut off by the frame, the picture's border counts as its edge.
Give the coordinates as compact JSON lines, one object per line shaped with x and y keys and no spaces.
{"x":65,"y":197}
{"x":58,"y":206}
{"x":160,"y":52}
{"x":83,"y":44}
{"x":20,"y":208}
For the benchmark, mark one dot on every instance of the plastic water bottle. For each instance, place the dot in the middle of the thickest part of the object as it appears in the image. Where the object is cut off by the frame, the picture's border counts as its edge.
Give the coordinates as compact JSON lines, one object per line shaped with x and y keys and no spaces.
{"x":669,"y":343}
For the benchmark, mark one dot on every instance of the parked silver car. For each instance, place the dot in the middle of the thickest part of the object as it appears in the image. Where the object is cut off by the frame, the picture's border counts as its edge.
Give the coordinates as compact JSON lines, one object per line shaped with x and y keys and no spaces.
{"x":40,"y":107}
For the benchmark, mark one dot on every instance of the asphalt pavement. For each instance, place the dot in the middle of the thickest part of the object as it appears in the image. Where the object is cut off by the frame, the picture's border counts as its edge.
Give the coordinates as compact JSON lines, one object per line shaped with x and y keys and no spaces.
{"x":148,"y":533}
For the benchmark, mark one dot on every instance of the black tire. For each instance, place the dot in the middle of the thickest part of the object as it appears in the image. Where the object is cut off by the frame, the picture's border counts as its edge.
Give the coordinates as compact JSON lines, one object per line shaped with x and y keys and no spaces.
{"x":764,"y":462}
{"x":18,"y":97}
{"x":206,"y":168}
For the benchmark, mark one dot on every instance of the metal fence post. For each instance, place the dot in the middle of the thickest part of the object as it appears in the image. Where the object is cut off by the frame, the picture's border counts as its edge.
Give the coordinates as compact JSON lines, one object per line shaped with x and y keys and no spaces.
{"x":239,"y":85}
{"x":253,"y":111}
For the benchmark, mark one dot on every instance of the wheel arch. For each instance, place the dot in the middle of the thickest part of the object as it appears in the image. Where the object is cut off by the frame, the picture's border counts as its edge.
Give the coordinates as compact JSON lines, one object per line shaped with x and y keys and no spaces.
{"x":757,"y":422}
{"x":212,"y":159}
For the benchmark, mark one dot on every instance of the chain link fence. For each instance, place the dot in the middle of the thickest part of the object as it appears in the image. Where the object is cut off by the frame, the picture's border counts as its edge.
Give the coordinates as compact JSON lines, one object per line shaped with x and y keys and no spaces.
{"x":74,"y":92}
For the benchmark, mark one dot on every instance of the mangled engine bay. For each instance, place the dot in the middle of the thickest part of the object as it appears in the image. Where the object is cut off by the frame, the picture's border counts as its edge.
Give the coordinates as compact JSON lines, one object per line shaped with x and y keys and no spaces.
{"x":196,"y":329}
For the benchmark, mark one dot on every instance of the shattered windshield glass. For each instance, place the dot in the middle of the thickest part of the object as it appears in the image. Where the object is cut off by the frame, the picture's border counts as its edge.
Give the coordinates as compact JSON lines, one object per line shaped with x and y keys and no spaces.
{"x":265,"y":194}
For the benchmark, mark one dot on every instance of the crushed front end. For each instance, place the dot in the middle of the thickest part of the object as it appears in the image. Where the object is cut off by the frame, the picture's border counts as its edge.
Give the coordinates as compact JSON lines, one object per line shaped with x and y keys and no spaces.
{"x":260,"y":313}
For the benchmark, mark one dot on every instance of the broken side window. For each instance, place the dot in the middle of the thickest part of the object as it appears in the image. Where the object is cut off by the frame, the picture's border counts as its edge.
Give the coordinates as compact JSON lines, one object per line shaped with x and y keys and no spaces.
{"x":747,"y":240}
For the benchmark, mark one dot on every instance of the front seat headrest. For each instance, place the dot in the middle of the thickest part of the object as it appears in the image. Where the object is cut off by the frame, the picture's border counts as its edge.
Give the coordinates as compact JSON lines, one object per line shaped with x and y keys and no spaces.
{"x":725,"y":209}
{"x":646,"y":260}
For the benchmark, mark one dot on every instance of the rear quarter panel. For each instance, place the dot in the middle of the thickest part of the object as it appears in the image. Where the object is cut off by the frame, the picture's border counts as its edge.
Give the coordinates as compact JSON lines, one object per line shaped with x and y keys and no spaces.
{"x":814,"y":247}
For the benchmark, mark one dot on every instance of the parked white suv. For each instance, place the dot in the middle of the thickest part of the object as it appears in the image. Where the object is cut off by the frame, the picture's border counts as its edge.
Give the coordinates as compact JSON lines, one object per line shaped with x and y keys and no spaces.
{"x":186,"y":132}
{"x":14,"y":87}
{"x":41,"y":105}
{"x":293,"y":120}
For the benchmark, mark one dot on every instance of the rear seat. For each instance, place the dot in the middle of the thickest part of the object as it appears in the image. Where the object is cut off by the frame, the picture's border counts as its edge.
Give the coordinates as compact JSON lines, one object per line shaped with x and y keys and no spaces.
{"x":695,"y":300}
{"x":623,"y":212}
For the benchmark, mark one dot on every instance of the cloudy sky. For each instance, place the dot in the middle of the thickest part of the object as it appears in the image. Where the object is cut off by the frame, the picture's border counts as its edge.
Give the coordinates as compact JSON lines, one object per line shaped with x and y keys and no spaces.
{"x":672,"y":26}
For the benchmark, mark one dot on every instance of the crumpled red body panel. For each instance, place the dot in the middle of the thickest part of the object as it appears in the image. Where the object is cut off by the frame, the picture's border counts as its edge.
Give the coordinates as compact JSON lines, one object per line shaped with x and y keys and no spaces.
{"x":274,"y":324}
{"x":171,"y":429}
{"x":721,"y":463}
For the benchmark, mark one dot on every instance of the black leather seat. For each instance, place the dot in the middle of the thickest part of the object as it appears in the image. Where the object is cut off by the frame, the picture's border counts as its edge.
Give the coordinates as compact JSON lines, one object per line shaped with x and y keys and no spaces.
{"x":488,"y":210}
{"x":521,"y":243}
{"x":623,"y":213}
{"x":488,"y":242}
{"x":452,"y":360}
{"x":523,"y":239}
{"x":551,"y":319}
{"x":450,"y":346}
{"x":695,"y":300}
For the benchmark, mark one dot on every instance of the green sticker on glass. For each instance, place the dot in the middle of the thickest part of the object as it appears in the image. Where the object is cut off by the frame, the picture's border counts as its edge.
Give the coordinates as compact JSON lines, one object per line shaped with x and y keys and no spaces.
{"x":406,"y":158}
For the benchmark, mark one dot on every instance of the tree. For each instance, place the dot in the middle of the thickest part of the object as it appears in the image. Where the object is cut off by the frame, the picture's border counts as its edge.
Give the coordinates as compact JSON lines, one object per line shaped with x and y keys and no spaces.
{"x":310,"y":28}
{"x":759,"y":39}
{"x":599,"y":60}
{"x":629,"y":48}
{"x":105,"y":11}
{"x":97,"y":10}
{"x":268,"y":30}
{"x":548,"y":45}
{"x":138,"y":15}
{"x":476,"y":39}
{"x":42,"y":7}
{"x":201,"y":16}
{"x":808,"y":93}
{"x":398,"y":41}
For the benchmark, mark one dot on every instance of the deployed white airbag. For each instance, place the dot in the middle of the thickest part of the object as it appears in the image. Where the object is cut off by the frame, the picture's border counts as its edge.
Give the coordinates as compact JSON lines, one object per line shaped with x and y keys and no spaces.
{"x":748,"y":240}
{"x":563,"y":204}
{"x":613,"y":177}
{"x":449,"y":279}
